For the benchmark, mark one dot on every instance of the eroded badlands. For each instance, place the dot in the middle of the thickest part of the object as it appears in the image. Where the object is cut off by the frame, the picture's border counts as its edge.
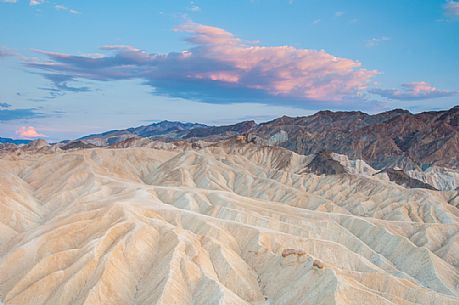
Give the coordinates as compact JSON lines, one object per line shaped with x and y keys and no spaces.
{"x":228,"y":224}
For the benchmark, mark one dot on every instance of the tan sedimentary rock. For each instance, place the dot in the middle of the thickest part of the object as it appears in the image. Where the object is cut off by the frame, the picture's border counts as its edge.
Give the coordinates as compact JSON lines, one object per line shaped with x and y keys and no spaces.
{"x":228,"y":224}
{"x":287,"y":252}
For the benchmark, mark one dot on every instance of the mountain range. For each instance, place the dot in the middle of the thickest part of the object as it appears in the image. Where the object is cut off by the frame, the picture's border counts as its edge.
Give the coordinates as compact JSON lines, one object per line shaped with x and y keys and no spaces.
{"x":13,"y":141}
{"x":164,"y":129}
{"x":396,"y":138}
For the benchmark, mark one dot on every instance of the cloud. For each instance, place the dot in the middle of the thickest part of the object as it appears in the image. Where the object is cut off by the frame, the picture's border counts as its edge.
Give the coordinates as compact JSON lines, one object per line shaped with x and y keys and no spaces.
{"x":194,"y":7}
{"x":17,"y":114}
{"x":219,"y":67}
{"x":63,"y":8}
{"x":61,"y":85}
{"x":373,"y":42}
{"x":6,"y":52}
{"x":339,"y":14}
{"x":28,"y":132}
{"x":452,"y":8}
{"x":5,"y":105}
{"x":8,"y":1}
{"x":414,"y":91}
{"x":36,"y":2}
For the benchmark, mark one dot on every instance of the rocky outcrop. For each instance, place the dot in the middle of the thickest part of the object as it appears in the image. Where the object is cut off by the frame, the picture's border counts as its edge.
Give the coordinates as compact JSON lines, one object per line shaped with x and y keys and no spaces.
{"x":324,"y":164}
{"x":401,"y":178}
{"x":318,"y":264}
{"x":389,"y":139}
{"x":77,"y":145}
{"x":297,"y":252}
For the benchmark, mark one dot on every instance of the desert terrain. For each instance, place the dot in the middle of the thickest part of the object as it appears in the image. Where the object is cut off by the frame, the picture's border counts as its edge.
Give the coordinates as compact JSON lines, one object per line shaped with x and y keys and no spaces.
{"x":224,"y":223}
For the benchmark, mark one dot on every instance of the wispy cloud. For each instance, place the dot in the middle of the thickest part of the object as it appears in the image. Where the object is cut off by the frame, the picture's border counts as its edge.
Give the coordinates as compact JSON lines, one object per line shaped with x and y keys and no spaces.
{"x":61,"y":85}
{"x":414,"y":91}
{"x":36,"y":2}
{"x":194,"y":7}
{"x":58,"y":7}
{"x":28,"y":132}
{"x":63,"y":8}
{"x":5,"y":105}
{"x":452,"y":8}
{"x":339,"y":14}
{"x":8,"y":114}
{"x":376,"y":41}
{"x":4,"y":52}
{"x":220,"y":67}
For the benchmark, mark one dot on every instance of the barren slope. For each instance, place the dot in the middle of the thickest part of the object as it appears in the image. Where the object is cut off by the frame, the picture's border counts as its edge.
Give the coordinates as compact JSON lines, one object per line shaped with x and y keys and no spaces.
{"x":228,"y":224}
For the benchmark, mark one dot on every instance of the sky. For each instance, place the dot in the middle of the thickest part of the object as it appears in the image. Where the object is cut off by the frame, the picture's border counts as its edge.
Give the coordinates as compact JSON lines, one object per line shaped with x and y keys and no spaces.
{"x":69,"y":68}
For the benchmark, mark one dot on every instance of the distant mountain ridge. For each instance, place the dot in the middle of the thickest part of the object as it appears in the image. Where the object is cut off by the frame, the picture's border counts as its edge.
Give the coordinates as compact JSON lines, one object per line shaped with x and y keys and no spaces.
{"x":164,"y":129}
{"x":395,"y":138}
{"x":170,"y":131}
{"x":14,"y":141}
{"x":221,"y":131}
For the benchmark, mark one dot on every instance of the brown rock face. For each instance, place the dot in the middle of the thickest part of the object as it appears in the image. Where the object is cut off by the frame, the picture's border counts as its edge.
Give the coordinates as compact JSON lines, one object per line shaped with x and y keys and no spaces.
{"x":77,"y":145}
{"x":221,"y":131}
{"x":401,"y":178}
{"x":324,"y":164}
{"x":391,"y":138}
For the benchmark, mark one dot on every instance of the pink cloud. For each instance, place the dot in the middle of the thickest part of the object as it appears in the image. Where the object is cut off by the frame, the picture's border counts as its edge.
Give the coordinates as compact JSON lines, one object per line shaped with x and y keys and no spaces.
{"x":28,"y":132}
{"x":419,"y":88}
{"x":281,"y":71}
{"x":414,"y":91}
{"x":208,"y":35}
{"x":220,"y":60}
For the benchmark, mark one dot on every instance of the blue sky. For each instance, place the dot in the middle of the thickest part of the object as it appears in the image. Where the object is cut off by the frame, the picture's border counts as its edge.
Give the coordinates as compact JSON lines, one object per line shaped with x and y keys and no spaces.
{"x":69,"y":68}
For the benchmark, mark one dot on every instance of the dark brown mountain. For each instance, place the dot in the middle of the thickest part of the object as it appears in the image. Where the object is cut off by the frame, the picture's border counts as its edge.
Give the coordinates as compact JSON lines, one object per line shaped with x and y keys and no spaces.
{"x":221,"y":131}
{"x":392,"y":138}
{"x":77,"y":145}
{"x":401,"y":178}
{"x":324,"y":164}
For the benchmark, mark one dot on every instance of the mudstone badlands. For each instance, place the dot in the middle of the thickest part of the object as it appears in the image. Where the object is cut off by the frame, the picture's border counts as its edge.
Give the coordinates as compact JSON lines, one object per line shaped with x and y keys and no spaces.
{"x":333,"y":208}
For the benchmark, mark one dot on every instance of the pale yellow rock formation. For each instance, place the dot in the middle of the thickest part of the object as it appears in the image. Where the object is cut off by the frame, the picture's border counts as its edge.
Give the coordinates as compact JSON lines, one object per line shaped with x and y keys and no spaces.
{"x":225,"y":224}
